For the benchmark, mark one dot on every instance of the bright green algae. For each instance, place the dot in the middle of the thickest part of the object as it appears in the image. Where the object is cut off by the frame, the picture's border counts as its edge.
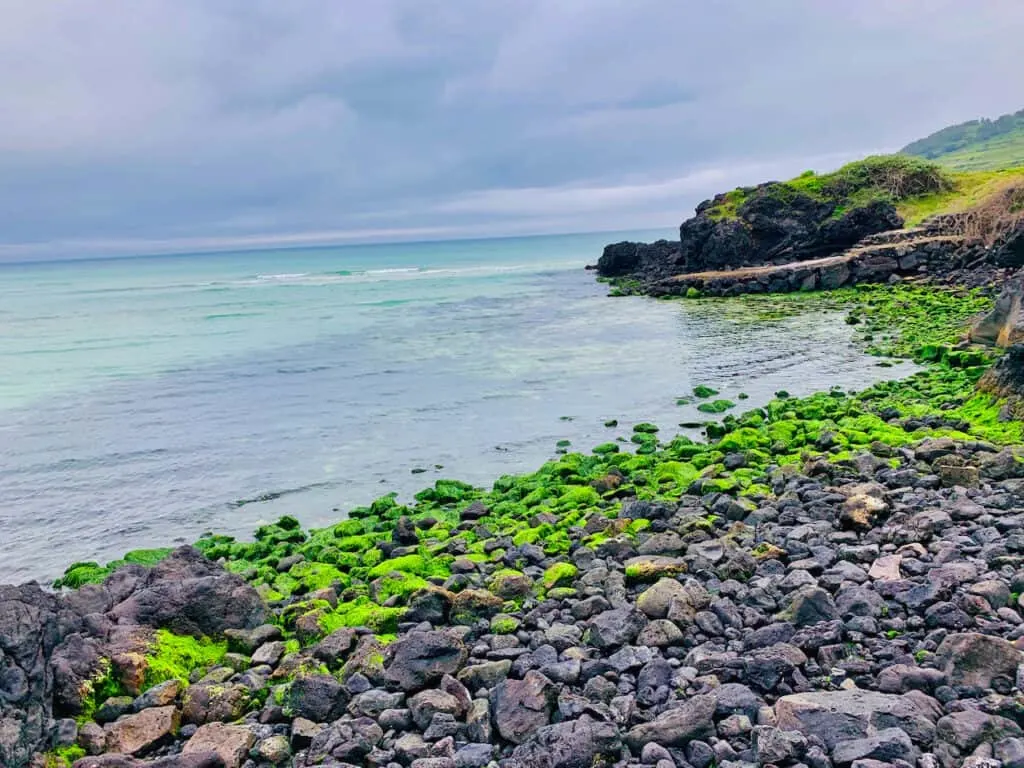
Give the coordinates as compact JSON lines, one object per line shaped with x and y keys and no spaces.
{"x":343,"y":579}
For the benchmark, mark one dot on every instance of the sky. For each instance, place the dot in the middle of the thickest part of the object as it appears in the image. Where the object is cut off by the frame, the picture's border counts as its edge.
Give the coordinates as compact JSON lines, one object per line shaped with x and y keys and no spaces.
{"x":137,"y":126}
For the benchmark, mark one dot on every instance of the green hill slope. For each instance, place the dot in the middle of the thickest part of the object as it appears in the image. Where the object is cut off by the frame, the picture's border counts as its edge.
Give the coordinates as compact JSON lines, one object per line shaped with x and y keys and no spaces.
{"x":976,"y":145}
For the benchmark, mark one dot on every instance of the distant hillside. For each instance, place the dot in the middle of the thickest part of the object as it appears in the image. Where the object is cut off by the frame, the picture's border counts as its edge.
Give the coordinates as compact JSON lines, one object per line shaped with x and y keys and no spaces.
{"x":975,"y":145}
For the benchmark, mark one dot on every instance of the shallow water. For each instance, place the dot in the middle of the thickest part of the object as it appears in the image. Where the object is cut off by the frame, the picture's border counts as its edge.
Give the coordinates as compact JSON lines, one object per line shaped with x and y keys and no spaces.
{"x":144,"y":401}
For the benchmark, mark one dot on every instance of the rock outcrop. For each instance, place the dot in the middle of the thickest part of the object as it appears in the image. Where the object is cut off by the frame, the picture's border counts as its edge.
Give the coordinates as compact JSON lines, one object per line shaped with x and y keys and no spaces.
{"x":766,"y":229}
{"x":54,"y":647}
{"x":1004,"y":325}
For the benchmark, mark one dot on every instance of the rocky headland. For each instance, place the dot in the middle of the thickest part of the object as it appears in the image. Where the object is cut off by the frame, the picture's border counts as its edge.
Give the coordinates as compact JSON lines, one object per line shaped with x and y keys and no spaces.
{"x":824,"y":582}
{"x":832,"y":230}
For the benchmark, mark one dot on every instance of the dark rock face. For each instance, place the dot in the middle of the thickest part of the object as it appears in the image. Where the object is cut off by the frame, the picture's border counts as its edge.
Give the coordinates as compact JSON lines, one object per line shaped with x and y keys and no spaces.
{"x":574,"y":744}
{"x":1006,"y":377}
{"x":422,"y":658}
{"x":768,"y":228}
{"x":771,"y":229}
{"x":52,"y":646}
{"x":28,"y":635}
{"x":188,"y":594}
{"x":626,"y":258}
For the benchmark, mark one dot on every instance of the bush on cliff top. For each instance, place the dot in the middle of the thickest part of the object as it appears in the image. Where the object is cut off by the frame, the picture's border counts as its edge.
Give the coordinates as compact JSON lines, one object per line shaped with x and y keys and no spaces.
{"x":891,"y":178}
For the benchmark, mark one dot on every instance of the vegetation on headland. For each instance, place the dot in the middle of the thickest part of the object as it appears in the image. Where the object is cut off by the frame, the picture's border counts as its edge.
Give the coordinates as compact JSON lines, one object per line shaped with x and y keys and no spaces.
{"x":370,"y":569}
{"x":976,"y":144}
{"x":918,"y":188}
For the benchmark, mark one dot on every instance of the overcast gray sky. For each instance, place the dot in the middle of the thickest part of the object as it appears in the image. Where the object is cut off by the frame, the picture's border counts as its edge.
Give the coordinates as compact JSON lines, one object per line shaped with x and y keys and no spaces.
{"x":147,"y":125}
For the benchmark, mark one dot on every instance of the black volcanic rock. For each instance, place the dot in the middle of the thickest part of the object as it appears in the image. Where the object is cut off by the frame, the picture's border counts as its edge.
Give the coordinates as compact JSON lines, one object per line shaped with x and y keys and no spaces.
{"x":773,"y":225}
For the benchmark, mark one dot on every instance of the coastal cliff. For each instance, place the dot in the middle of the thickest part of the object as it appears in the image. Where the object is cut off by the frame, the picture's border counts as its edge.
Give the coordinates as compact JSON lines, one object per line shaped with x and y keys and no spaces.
{"x":827,"y":231}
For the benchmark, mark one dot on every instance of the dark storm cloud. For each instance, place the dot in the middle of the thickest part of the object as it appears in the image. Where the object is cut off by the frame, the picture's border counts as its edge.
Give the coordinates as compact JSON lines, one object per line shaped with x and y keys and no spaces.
{"x":170,"y":124}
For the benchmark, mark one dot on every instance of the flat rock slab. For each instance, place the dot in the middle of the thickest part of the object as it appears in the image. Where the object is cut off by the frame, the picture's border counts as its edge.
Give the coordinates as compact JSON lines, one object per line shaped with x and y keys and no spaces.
{"x":973,"y":659}
{"x":135,"y":734}
{"x":837,"y":716}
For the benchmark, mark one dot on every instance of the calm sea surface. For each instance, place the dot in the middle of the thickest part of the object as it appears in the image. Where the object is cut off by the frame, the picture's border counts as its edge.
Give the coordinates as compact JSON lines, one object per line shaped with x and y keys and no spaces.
{"x":146,"y":400}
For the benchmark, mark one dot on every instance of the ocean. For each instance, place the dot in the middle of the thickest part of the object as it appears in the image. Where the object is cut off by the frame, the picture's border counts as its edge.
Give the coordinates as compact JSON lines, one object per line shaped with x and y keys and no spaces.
{"x":146,"y":400}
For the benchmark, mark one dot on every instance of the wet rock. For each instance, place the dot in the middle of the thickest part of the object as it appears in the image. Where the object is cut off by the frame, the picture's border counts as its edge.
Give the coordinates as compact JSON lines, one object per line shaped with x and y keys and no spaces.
{"x":160,"y":695}
{"x":92,"y":738}
{"x":862,"y":511}
{"x":348,"y":741}
{"x":274,"y":750}
{"x":812,"y":605}
{"x":772,"y":745}
{"x":430,"y":604}
{"x":231,"y":742}
{"x":303,"y":732}
{"x":653,"y":567}
{"x":248,"y":640}
{"x":960,"y":733}
{"x":521,"y":707}
{"x":198,"y":760}
{"x":268,"y":653}
{"x":425,"y":704}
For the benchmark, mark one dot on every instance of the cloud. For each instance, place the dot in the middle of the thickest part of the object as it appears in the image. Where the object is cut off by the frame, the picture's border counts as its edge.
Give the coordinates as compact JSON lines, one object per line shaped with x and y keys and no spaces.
{"x":172,"y":124}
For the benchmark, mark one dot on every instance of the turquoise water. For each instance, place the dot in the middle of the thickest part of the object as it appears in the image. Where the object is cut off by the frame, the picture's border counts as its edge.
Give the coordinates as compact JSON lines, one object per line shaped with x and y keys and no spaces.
{"x":146,"y":400}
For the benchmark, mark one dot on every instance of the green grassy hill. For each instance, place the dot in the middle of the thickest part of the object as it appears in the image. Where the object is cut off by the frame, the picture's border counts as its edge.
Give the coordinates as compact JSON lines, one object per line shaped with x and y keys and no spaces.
{"x":977,"y":145}
{"x":918,"y":188}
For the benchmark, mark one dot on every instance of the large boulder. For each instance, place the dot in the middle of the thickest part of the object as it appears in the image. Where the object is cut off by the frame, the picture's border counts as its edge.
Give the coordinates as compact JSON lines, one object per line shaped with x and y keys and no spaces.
{"x":773,"y":224}
{"x":579,"y":743}
{"x":141,"y":733}
{"x":520,"y":708}
{"x":188,"y":594}
{"x":421,"y":659}
{"x":974,"y":659}
{"x":689,"y":721}
{"x":231,"y":743}
{"x":837,"y":716}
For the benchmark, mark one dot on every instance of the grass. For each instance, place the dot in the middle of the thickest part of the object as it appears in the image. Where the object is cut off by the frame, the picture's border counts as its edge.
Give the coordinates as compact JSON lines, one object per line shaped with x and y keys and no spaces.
{"x":930,"y":191}
{"x":969,"y":189}
{"x":893,"y":178}
{"x":976,"y":145}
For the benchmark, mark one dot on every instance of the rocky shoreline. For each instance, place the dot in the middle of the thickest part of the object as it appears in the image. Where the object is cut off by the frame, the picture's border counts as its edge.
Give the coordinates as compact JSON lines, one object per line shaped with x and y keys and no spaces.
{"x":826,"y":232}
{"x":826,"y":582}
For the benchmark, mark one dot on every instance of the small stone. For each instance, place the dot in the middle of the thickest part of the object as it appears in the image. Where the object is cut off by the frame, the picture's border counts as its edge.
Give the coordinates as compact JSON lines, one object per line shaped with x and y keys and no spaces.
{"x":92,"y":738}
{"x":274,"y":750}
{"x":675,"y":727}
{"x":268,"y":653}
{"x":248,"y":640}
{"x":773,"y":745}
{"x":303,"y":732}
{"x":160,"y":695}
